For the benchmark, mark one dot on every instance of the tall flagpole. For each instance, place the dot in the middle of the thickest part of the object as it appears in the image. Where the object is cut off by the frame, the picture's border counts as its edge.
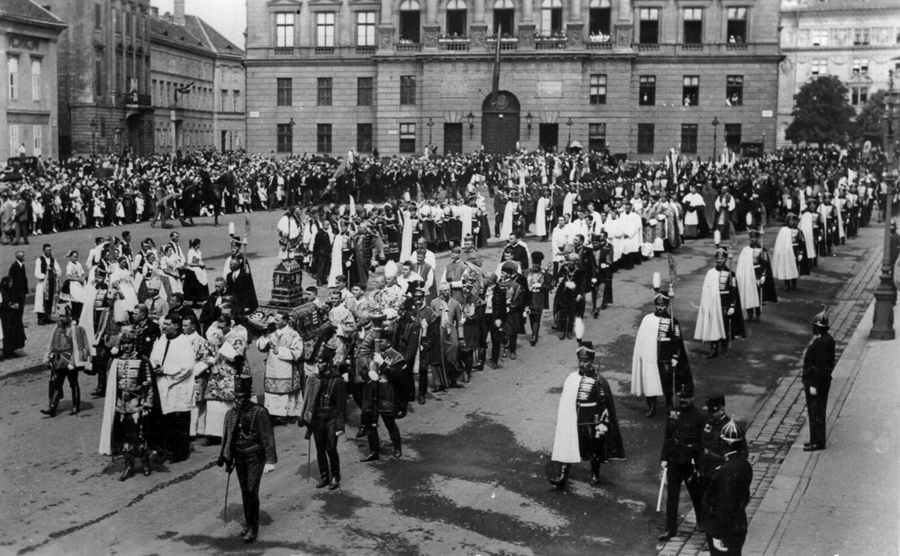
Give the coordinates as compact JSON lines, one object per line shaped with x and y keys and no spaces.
{"x":495,"y":88}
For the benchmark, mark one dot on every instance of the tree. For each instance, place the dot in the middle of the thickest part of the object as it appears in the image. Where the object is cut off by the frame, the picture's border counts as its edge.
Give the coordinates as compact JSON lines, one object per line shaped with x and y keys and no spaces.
{"x":822,"y":113}
{"x":871,"y":118}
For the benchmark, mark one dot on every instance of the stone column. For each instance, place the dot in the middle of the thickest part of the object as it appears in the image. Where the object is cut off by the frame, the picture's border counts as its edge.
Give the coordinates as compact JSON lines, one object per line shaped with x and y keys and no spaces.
{"x":527,"y":26}
{"x":478,"y":29}
{"x":386,"y":29}
{"x":624,"y":27}
{"x":575,"y":27}
{"x":431,"y":29}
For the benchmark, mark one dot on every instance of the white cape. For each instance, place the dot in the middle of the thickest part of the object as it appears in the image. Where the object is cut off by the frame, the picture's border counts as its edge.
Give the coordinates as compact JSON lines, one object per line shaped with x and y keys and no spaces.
{"x":565,"y":443}
{"x":337,"y":263}
{"x":540,"y":217}
{"x":746,"y":280}
{"x":507,"y":227}
{"x":644,"y":364}
{"x":406,"y":237}
{"x":710,"y":324}
{"x":784,"y":263}
{"x":806,"y":226}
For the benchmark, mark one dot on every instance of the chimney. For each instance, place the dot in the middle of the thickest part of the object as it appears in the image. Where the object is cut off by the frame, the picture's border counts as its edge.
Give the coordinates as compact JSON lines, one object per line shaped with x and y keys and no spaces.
{"x":179,"y":12}
{"x":154,"y":11}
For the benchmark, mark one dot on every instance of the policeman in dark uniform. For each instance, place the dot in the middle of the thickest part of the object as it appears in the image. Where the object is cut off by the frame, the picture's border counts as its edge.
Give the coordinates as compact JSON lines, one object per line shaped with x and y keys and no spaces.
{"x":328,"y":404}
{"x":713,"y":455}
{"x":248,"y":445}
{"x":818,"y":364}
{"x":681,"y":449}
{"x":725,"y":501}
{"x":383,"y":393}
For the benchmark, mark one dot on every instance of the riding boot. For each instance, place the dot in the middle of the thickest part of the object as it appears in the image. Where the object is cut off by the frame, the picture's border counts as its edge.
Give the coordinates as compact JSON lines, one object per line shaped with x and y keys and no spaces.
{"x":560,"y":481}
{"x":715,"y":351}
{"x":595,"y":472}
{"x":55,"y":396}
{"x":651,"y":407}
{"x":749,"y":315}
{"x":129,"y":468}
{"x":145,"y":459}
{"x":724,"y":349}
{"x":535,"y":328}
{"x":76,"y":398}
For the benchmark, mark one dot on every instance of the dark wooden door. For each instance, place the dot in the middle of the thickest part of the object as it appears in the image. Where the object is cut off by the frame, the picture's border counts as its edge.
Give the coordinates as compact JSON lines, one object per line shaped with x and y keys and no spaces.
{"x":499,"y":132}
{"x":453,"y":138}
{"x":549,"y":137}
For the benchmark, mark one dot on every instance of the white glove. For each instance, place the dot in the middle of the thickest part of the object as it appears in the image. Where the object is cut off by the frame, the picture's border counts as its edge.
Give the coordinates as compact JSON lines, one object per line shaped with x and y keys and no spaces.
{"x":813,"y":391}
{"x":268,"y":468}
{"x":601,"y":430}
{"x":570,"y":285}
{"x":663,"y":464}
{"x":378,"y":359}
{"x":593,"y":280}
{"x":730,"y":312}
{"x":497,"y":323}
{"x":720,"y":546}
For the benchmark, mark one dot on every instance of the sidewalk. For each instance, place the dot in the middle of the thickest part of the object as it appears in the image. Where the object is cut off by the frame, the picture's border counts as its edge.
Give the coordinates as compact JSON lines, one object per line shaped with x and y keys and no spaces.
{"x":845,"y":499}
{"x":37,"y":340}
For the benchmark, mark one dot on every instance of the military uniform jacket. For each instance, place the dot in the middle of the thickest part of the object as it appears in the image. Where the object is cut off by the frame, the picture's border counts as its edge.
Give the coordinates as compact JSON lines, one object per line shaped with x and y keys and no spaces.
{"x":818,"y":363}
{"x":713,"y":455}
{"x":248,"y":432}
{"x":682,"y":442}
{"x":725,"y":501}
{"x":670,"y":344}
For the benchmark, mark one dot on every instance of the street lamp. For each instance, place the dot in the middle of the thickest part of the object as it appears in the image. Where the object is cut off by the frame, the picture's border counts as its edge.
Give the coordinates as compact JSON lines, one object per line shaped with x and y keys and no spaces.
{"x":715,"y":124}
{"x":886,"y":293}
{"x":569,"y":125}
{"x":471,"y":118}
{"x":93,"y":125}
{"x":430,"y":125}
{"x":528,"y":118}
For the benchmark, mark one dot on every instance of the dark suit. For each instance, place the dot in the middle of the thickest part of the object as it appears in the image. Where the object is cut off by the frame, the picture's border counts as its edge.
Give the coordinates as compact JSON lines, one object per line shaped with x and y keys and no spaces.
{"x":818,"y":364}
{"x":682,"y":447}
{"x":725,"y":503}
{"x":19,"y":284}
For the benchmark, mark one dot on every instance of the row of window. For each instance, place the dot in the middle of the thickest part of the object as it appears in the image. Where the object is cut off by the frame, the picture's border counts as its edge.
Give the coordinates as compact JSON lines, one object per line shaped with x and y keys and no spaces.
{"x":820,"y":37}
{"x":17,"y":144}
{"x":364,"y":91}
{"x":129,"y":72}
{"x":819,"y":66}
{"x":689,"y":132}
{"x":690,"y":90}
{"x":551,"y":23}
{"x":15,"y":78}
{"x":596,"y":137}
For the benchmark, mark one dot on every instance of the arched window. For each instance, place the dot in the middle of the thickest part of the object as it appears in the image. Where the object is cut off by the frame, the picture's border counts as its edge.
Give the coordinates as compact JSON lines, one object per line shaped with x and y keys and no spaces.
{"x":456,"y":18}
{"x":551,"y":17}
{"x":599,"y":16}
{"x":410,"y":21}
{"x":504,"y":18}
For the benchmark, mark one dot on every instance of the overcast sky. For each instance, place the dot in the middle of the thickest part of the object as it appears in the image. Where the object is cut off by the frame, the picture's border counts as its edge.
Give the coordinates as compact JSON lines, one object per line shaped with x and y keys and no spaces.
{"x":228,"y":17}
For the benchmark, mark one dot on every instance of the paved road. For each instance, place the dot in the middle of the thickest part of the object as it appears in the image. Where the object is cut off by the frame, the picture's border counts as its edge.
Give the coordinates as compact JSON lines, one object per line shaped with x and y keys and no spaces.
{"x":472,"y":477}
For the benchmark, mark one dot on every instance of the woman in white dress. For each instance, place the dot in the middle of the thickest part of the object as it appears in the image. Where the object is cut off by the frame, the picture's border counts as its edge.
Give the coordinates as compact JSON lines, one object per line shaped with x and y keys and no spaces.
{"x":73,"y":287}
{"x":170,"y":271}
{"x":122,"y":291}
{"x":196,"y":284}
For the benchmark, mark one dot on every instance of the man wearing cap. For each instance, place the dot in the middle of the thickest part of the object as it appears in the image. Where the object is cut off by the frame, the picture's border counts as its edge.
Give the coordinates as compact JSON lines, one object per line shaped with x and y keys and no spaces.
{"x":326,"y":407}
{"x":383,"y":394}
{"x":67,"y":354}
{"x":539,"y":284}
{"x":515,"y":288}
{"x":559,"y":238}
{"x":719,"y":319}
{"x":249,"y":447}
{"x":725,"y":501}
{"x":586,"y":423}
{"x":240,"y":281}
{"x":756,"y":284}
{"x":659,"y":364}
{"x":601,"y":280}
{"x":473,"y":309}
{"x":495,"y":316}
{"x":818,"y":364}
{"x":429,"y":342}
{"x":452,"y":275}
{"x":450,"y":313}
{"x":681,"y":449}
{"x":791,"y":259}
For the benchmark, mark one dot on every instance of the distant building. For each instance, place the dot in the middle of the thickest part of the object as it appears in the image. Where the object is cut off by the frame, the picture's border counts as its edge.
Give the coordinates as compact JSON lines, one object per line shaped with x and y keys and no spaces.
{"x":197,"y":85}
{"x":29,"y":36}
{"x":104,"y":77}
{"x":636,"y":76}
{"x":858,"y":42}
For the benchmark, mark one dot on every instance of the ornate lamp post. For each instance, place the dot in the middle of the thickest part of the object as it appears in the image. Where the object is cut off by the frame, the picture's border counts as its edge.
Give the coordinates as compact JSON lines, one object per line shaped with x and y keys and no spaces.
{"x":886,"y":293}
{"x":471,"y":118}
{"x":93,"y":125}
{"x":715,"y":124}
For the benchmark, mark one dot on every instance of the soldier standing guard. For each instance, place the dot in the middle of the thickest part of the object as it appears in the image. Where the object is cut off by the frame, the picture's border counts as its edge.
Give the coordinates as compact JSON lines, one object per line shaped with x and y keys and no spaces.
{"x":601,"y":282}
{"x":725,"y":501}
{"x":681,"y":449}
{"x":818,"y":364}
{"x":249,"y":447}
{"x":327,"y":404}
{"x":719,"y":319}
{"x":383,"y":393}
{"x":586,"y":427}
{"x":754,"y":274}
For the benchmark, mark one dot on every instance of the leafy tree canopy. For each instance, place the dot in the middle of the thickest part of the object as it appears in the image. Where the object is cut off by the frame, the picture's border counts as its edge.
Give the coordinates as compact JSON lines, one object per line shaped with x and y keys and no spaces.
{"x":822,"y":113}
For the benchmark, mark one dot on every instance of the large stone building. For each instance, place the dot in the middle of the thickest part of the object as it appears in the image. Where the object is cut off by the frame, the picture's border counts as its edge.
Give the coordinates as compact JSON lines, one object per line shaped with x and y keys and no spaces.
{"x":637,"y":76}
{"x":29,"y":37}
{"x":104,"y":77}
{"x":197,"y":85}
{"x":858,"y":42}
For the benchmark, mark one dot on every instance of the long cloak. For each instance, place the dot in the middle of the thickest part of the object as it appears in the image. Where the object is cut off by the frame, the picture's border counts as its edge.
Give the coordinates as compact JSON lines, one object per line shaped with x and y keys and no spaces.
{"x":784,"y":262}
{"x":746,"y":280}
{"x":645,"y":379}
{"x":710,"y":323}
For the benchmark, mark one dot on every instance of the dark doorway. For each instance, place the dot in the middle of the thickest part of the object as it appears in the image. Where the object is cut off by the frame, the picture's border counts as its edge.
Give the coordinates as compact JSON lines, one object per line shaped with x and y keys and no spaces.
{"x":549,"y":137}
{"x":500,"y":123}
{"x":453,"y":138}
{"x":224,"y":141}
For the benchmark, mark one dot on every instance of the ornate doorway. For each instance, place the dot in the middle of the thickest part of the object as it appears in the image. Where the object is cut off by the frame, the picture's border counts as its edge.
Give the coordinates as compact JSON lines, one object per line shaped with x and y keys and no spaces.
{"x":500,"y":124}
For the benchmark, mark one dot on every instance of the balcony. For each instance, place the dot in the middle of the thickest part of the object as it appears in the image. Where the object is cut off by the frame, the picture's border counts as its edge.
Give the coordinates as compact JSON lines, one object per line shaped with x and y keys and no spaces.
{"x":324,"y":51}
{"x":648,"y":47}
{"x":408,"y":47}
{"x":284,"y":51}
{"x":549,"y":43}
{"x":505,"y":44}
{"x":692,"y":47}
{"x":454,"y":44}
{"x":132,"y":99}
{"x":736,"y":46}
{"x":365,"y":50}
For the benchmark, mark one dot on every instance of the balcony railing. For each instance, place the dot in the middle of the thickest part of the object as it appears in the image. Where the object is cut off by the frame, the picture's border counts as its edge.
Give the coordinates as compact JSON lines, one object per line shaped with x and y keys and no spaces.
{"x":648,"y":47}
{"x":284,"y":51}
{"x":324,"y":50}
{"x":132,"y":99}
{"x":736,"y":46}
{"x":556,"y":43}
{"x":692,"y":47}
{"x":598,"y":42}
{"x":505,"y":44}
{"x":365,"y":50}
{"x":408,"y":47}
{"x":454,"y":45}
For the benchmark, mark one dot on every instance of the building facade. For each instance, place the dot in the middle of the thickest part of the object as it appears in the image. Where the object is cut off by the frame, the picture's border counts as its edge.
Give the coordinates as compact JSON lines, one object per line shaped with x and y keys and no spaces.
{"x":858,"y":42}
{"x":197,"y":84}
{"x":29,"y":36}
{"x":635,"y":76}
{"x":104,"y":77}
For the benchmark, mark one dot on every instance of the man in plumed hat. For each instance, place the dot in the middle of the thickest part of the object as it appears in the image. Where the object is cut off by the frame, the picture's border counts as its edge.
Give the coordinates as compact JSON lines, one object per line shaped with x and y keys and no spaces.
{"x":586,"y":427}
{"x":539,"y":284}
{"x":682,"y":447}
{"x":249,"y":447}
{"x":601,"y":280}
{"x":756,"y":284}
{"x":383,"y":395}
{"x":818,"y":364}
{"x":569,"y":299}
{"x":325,"y":410}
{"x":719,"y":319}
